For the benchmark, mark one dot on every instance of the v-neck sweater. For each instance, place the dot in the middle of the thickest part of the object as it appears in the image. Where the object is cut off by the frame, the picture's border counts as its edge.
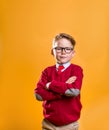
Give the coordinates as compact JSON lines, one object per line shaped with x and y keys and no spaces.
{"x":58,"y":108}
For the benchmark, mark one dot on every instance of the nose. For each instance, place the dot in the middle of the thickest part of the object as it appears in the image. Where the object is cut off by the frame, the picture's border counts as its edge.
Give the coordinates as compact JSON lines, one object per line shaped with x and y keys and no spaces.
{"x":63,"y":51}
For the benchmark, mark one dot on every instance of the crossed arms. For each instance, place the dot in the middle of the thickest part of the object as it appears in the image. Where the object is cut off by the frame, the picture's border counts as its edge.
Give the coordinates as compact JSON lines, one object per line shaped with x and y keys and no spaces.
{"x":55,"y":90}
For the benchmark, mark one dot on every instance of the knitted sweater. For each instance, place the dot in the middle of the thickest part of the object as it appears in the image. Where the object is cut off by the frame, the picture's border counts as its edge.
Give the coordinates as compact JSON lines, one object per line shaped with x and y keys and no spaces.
{"x":58,"y":108}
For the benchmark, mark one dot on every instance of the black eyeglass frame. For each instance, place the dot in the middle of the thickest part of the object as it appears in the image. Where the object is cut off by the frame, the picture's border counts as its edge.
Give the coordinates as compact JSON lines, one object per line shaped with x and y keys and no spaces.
{"x":66,"y":49}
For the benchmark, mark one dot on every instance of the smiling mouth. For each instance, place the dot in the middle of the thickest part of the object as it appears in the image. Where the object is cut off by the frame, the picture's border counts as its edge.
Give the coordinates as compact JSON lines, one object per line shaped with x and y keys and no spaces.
{"x":62,"y":57}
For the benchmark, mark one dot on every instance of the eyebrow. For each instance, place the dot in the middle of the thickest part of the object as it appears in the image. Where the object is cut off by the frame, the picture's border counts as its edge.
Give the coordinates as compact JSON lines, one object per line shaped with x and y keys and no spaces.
{"x":63,"y":47}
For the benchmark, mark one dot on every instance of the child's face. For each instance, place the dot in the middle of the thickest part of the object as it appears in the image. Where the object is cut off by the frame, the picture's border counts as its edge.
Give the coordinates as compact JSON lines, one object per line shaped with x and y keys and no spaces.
{"x":63,"y":51}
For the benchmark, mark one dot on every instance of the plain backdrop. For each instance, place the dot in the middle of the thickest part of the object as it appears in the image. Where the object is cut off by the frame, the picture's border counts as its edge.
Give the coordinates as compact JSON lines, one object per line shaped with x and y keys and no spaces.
{"x":27,"y":28}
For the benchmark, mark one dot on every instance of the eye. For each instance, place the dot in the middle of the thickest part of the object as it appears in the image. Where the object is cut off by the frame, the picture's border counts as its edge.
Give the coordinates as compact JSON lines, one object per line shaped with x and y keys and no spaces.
{"x":58,"y":48}
{"x":68,"y":49}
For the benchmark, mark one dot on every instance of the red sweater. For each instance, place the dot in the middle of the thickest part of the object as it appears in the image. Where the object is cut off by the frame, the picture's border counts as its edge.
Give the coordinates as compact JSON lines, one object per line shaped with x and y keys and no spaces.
{"x":58,"y":108}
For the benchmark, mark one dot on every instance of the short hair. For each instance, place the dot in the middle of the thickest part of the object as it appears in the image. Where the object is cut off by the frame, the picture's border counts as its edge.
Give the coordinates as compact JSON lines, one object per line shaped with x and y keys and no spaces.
{"x":64,"y":35}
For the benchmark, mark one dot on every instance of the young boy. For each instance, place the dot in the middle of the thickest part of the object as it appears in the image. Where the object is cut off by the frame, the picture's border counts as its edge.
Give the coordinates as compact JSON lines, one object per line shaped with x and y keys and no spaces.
{"x":59,"y":87}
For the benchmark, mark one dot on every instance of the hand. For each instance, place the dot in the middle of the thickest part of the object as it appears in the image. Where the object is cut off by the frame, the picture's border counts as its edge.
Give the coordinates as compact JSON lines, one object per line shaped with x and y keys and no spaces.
{"x":71,"y":80}
{"x":47,"y":85}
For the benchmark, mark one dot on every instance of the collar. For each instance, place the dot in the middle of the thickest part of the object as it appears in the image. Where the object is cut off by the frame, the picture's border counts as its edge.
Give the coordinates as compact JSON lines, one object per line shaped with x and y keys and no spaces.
{"x":66,"y":65}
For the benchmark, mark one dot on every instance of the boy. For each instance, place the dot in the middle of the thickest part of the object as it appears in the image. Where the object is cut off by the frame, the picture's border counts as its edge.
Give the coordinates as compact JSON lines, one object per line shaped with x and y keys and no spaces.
{"x":59,"y":87}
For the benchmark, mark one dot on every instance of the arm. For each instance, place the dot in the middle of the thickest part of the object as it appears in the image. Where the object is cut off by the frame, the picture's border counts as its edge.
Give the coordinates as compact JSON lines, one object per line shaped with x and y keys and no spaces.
{"x":73,"y":91}
{"x":68,"y":87}
{"x":68,"y":92}
{"x":41,"y":93}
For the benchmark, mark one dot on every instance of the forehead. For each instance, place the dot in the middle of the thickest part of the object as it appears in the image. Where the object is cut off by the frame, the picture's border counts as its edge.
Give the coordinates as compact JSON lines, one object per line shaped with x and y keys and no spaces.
{"x":63,"y":42}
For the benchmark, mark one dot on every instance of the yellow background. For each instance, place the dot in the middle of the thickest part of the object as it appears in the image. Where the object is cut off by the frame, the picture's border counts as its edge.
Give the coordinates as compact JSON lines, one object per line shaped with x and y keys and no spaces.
{"x":26,"y":31}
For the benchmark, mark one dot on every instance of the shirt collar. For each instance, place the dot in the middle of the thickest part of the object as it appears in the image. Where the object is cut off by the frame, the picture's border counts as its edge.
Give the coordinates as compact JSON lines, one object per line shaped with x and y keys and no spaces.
{"x":66,"y":65}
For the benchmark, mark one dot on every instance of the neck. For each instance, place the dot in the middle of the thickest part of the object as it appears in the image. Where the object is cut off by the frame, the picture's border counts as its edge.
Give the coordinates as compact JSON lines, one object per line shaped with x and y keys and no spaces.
{"x":63,"y":63}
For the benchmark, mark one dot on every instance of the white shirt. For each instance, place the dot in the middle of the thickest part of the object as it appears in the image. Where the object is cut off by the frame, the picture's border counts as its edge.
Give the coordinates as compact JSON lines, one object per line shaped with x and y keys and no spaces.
{"x":66,"y":65}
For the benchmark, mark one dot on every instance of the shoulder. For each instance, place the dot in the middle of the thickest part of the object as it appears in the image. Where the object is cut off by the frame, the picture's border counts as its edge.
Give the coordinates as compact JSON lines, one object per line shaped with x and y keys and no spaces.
{"x":75,"y":66}
{"x":49,"y":68}
{"x":76,"y":70}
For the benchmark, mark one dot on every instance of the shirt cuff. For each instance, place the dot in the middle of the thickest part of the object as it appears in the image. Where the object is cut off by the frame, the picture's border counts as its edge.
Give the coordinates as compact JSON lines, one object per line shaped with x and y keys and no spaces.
{"x":47,"y":85}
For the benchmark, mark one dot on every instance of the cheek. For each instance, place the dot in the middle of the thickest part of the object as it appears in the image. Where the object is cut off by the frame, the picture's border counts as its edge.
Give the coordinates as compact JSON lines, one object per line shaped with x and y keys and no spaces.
{"x":55,"y":54}
{"x":71,"y":56}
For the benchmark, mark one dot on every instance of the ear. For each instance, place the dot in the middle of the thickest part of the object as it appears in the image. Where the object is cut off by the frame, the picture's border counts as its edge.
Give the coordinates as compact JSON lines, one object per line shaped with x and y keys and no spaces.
{"x":73,"y":53}
{"x":52,"y":52}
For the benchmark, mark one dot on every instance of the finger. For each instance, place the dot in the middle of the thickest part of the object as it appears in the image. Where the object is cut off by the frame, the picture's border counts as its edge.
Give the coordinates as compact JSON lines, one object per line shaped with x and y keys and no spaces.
{"x":71,"y":79}
{"x":74,"y":77}
{"x":69,"y":82}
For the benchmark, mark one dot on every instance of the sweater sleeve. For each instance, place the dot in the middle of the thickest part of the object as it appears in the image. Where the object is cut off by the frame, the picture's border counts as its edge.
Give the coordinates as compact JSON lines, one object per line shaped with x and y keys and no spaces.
{"x":41,"y":93}
{"x":61,"y":87}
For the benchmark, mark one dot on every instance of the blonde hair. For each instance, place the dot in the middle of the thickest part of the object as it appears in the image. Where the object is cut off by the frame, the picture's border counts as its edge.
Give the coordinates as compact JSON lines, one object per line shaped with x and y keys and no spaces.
{"x":64,"y":35}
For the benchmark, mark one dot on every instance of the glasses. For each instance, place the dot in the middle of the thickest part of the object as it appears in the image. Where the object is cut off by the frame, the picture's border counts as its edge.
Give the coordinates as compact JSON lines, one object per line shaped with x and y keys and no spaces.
{"x":66,"y":49}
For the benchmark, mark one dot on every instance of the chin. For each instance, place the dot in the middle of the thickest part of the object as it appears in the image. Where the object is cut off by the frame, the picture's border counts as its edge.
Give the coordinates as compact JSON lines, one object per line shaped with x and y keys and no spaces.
{"x":62,"y":62}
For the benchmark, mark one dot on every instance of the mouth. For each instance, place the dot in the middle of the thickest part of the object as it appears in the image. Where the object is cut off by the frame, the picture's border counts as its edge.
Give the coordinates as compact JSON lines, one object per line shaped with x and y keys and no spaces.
{"x":62,"y":57}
